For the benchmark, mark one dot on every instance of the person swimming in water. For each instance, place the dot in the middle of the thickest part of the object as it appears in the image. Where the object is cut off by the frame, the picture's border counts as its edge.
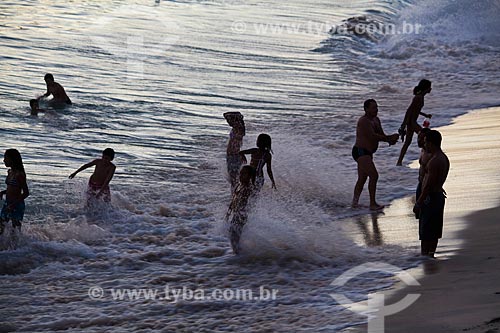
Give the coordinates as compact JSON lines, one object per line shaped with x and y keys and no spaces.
{"x":261,"y":156}
{"x":60,"y":98}
{"x":410,"y":125}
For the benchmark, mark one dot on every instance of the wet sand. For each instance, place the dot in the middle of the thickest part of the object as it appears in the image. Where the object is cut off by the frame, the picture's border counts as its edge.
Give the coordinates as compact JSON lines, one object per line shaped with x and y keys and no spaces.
{"x":460,"y":289}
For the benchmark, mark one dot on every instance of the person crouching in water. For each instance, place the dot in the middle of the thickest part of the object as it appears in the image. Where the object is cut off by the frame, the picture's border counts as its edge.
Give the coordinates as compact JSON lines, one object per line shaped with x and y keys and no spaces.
{"x":239,"y":206}
{"x":98,"y":188}
{"x":17,"y":190}
{"x":261,"y":156}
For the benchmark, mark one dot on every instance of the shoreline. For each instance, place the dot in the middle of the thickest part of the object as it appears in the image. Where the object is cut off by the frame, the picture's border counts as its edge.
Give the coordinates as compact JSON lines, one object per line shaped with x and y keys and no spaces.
{"x":459,"y":289}
{"x":460,"y":294}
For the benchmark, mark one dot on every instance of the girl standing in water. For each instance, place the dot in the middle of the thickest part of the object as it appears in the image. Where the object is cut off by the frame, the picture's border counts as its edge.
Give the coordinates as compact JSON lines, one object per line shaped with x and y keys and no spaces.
{"x":261,"y":156}
{"x":17,"y":190}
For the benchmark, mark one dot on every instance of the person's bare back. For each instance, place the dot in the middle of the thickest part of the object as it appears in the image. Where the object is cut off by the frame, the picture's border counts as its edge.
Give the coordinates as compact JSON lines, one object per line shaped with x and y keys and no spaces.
{"x":58,"y":93}
{"x":56,"y":90}
{"x":102,"y":172}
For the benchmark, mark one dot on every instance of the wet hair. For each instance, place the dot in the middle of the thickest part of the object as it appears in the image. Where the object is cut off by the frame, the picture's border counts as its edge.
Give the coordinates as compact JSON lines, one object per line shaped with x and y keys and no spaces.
{"x":109,"y":152}
{"x":434,"y":137}
{"x":48,"y":77}
{"x":367,"y":103}
{"x":425,"y":130}
{"x":422,"y":85}
{"x":17,"y":160}
{"x":264,"y":142}
{"x":251,"y":171}
{"x":33,"y":103}
{"x":421,"y":136}
{"x":236,"y":117}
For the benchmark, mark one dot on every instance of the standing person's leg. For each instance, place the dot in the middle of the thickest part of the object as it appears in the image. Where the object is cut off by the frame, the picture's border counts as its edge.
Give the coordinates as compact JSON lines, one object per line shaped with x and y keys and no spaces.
{"x":431,"y":223}
{"x":358,"y":188}
{"x":404,"y":149}
{"x":16,"y":224}
{"x":235,"y":229}
{"x":432,"y":247}
{"x":424,"y":247}
{"x":233,"y":169}
{"x":368,"y":168}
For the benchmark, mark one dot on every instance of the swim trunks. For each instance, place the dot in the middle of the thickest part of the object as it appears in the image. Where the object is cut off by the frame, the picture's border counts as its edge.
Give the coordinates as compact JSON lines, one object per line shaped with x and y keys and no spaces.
{"x":15,"y":214}
{"x":94,"y":189}
{"x":358,"y":152}
{"x":431,"y":217}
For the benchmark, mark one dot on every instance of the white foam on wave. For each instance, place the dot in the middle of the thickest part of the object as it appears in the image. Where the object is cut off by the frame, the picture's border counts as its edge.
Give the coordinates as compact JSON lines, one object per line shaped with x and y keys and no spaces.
{"x":302,"y":219}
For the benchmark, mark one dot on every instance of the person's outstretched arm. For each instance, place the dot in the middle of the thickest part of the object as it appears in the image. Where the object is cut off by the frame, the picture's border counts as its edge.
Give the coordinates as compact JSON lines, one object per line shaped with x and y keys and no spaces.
{"x":83,"y":167}
{"x":391,"y":139}
{"x":426,"y":115}
{"x":47,"y":94}
{"x":270,"y":172}
{"x":247,"y":152}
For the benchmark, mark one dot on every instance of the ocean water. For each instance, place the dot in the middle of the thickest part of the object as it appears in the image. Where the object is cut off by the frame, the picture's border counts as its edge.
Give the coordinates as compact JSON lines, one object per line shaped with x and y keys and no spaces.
{"x":151,"y":80}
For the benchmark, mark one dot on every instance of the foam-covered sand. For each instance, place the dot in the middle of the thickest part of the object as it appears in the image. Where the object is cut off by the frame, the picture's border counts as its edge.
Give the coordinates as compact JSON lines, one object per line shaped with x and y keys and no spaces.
{"x":459,"y":292}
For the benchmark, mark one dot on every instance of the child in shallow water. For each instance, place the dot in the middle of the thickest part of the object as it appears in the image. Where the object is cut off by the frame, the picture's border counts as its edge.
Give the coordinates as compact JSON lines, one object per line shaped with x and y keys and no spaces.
{"x":238,"y":207}
{"x":17,"y":190}
{"x":98,"y":188}
{"x":261,"y":156}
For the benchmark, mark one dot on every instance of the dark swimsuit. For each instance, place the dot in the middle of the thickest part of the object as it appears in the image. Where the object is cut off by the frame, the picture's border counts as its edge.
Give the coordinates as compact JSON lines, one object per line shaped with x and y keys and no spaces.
{"x":431,"y":216}
{"x":16,"y":213}
{"x":358,"y":152}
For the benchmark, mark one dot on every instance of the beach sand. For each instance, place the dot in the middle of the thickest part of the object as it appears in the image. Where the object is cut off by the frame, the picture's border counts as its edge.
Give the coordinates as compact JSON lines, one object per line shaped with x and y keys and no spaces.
{"x":460,"y":289}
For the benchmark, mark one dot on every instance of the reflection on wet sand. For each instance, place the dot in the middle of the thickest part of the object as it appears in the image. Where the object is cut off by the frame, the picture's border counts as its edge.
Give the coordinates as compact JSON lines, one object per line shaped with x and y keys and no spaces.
{"x":372,"y":236}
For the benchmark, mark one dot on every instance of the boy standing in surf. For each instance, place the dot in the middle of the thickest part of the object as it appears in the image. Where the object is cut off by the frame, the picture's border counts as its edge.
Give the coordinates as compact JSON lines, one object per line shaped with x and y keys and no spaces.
{"x":368,"y":135}
{"x":233,"y":159}
{"x":17,"y":190}
{"x":98,"y":188}
{"x":60,"y":98}
{"x":410,"y":125}
{"x":238,"y":206}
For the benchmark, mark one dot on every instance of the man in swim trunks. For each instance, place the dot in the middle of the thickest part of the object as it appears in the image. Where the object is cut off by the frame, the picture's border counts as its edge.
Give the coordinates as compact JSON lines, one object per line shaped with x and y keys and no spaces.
{"x":430,"y":204}
{"x":60,"y":98}
{"x":368,"y":135}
